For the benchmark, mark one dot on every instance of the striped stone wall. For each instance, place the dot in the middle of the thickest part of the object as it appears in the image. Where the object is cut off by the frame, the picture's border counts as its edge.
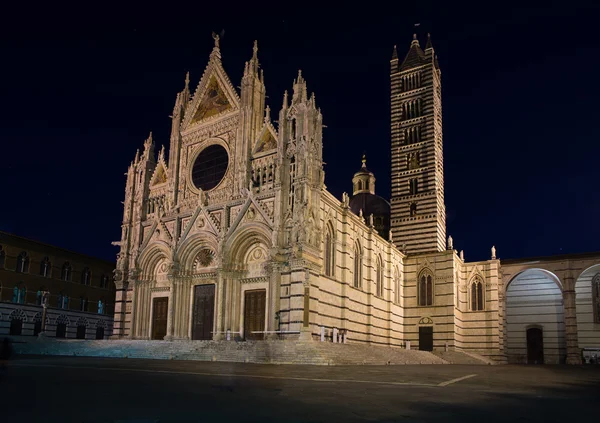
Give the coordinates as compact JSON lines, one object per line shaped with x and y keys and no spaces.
{"x":29,"y":314}
{"x":477,"y":330}
{"x":533,"y":299}
{"x":417,"y":132}
{"x":588,"y":331}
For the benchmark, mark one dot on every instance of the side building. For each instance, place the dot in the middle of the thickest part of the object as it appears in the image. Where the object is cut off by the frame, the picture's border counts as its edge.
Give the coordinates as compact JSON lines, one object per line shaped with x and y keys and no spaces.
{"x":80,"y":290}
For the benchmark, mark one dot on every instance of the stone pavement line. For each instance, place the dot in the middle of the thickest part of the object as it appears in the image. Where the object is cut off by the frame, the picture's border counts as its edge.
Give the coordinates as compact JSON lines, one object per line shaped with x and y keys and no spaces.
{"x":458,"y":379}
{"x":376,"y":382}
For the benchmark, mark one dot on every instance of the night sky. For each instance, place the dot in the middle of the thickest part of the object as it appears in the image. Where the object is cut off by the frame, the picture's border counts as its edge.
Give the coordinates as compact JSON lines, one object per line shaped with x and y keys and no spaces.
{"x":81,"y":89}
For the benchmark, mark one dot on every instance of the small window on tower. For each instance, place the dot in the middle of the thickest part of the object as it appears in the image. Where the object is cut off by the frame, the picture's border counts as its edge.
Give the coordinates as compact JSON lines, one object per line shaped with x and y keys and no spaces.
{"x":413,"y":186}
{"x":413,"y":209}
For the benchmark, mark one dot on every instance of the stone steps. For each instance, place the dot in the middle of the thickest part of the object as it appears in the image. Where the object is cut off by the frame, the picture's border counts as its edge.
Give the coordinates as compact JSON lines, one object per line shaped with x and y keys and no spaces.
{"x":288,"y":352}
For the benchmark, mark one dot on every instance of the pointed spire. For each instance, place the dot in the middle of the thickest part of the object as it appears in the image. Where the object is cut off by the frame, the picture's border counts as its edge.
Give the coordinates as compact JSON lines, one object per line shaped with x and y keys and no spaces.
{"x":161,"y":153}
{"x":267,"y":114}
{"x":187,"y":80}
{"x":255,"y":50}
{"x":415,"y":56}
{"x":285,"y":99}
{"x":395,"y":53}
{"x":428,"y":45}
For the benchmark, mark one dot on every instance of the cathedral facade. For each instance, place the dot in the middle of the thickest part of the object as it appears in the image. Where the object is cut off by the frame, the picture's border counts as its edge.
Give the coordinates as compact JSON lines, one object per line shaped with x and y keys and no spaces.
{"x":237,"y":234}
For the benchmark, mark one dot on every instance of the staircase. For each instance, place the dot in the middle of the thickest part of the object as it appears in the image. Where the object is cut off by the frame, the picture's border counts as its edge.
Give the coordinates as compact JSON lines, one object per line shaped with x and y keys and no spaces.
{"x":276,"y":352}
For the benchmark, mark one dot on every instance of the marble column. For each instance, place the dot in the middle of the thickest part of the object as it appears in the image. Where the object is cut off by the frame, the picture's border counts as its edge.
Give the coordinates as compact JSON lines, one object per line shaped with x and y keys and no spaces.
{"x":220,"y":307}
{"x":573,"y":352}
{"x":171,"y":311}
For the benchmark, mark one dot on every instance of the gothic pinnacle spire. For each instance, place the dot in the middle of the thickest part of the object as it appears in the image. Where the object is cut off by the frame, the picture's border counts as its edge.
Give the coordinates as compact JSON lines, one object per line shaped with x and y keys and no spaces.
{"x":267,"y":114}
{"x":395,"y":53}
{"x":187,"y":80}
{"x":255,"y":50}
{"x":428,"y":45}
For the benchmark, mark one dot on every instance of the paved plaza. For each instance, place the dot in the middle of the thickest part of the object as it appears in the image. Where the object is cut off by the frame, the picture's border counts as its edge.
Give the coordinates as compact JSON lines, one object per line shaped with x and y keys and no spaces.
{"x":64,"y":389}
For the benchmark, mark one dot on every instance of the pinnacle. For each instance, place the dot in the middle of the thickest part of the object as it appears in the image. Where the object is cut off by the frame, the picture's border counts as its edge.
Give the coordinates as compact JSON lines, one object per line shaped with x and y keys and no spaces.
{"x":395,"y":53}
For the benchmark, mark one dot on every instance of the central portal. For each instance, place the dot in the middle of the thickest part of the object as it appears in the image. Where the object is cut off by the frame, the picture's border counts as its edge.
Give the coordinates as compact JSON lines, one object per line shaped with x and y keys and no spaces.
{"x":204,"y":311}
{"x":254,"y":313}
{"x":159,"y":317}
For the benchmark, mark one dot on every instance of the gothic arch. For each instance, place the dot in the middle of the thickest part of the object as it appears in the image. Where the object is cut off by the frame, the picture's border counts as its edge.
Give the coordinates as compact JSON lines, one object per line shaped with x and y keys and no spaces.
{"x":329,"y":250}
{"x":18,"y":314}
{"x":476,"y":293}
{"x":425,"y":287}
{"x":244,"y":238}
{"x":150,"y":257}
{"x":548,"y":273}
{"x":189,"y":249}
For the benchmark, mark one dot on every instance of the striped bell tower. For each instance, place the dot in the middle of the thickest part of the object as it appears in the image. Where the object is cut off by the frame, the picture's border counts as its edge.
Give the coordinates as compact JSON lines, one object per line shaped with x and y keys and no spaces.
{"x":418,"y":212}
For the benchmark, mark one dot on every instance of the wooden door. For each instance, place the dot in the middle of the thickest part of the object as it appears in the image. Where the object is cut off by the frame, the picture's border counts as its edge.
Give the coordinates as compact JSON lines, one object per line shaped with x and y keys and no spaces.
{"x":159,"y":317}
{"x":426,"y":338}
{"x":535,"y":346}
{"x":204,"y":312}
{"x":254,"y":313}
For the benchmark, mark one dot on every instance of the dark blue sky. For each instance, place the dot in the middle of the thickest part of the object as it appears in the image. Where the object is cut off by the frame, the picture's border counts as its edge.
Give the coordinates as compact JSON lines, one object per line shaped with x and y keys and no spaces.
{"x":80,"y":90}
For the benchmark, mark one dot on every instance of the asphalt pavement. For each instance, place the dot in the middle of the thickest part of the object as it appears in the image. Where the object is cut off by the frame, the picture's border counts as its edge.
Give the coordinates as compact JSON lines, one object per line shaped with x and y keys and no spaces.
{"x":99,"y":390}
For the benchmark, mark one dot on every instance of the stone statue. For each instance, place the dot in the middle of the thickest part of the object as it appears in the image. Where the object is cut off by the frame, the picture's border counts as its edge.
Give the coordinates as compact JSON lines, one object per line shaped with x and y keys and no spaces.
{"x":450,"y":243}
{"x":493,"y":253}
{"x":100,"y":307}
{"x":462,"y":255}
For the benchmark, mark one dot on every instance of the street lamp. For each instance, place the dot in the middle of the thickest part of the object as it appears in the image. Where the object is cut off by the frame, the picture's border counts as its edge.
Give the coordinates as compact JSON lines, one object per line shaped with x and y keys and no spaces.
{"x":45,"y":296}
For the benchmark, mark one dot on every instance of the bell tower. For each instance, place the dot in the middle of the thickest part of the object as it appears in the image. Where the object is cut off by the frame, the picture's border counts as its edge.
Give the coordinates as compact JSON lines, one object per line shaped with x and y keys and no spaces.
{"x":418,"y":212}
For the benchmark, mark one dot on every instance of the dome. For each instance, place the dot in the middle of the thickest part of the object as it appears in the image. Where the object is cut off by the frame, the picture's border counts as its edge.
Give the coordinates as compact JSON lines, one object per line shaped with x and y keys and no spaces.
{"x":375,"y":205}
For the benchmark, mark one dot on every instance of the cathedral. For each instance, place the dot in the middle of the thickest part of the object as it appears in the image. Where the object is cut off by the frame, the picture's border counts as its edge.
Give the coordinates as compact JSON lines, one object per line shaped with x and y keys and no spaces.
{"x":232,"y":232}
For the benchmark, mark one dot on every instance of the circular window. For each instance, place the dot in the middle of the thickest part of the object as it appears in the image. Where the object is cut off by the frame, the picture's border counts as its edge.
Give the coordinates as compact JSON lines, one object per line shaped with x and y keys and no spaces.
{"x":210,"y":167}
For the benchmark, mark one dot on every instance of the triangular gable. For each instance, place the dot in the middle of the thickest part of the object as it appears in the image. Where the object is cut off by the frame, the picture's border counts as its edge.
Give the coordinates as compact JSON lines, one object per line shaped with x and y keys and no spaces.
{"x":267,"y":141}
{"x":213,"y":102}
{"x":159,"y":176}
{"x":214,"y":95}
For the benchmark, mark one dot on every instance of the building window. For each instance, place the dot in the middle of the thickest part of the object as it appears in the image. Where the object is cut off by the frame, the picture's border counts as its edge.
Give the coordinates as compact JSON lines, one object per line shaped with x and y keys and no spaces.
{"x":329,"y":252}
{"x":86,"y":276}
{"x":425,"y":291}
{"x":357,"y":266}
{"x":65,"y":274}
{"x":413,"y":186}
{"x":413,"y":160}
{"x":45,"y":268}
{"x":83,"y":304}
{"x":596,"y":297}
{"x":477,"y":296}
{"x":2,"y":257}
{"x":62,"y":301}
{"x":379,"y":277}
{"x":104,"y":281}
{"x":39,"y":296}
{"x":19,"y":293}
{"x":22,"y":263}
{"x":413,"y":209}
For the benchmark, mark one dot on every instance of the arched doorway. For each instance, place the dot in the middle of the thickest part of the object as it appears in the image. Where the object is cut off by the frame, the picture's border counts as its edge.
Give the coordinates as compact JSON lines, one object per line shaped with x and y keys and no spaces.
{"x":535,"y":345}
{"x":535,"y":319}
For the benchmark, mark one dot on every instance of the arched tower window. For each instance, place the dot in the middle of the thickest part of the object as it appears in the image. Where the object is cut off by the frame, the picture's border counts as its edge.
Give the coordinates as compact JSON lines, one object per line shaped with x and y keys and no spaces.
{"x":413,"y":209}
{"x":425,"y":291}
{"x":65,"y":274}
{"x":22,"y":263}
{"x":357,"y":266}
{"x":477,"y":295}
{"x":45,"y":267}
{"x":86,"y":276}
{"x":379,"y":277}
{"x":596,"y":297}
{"x":329,"y":252}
